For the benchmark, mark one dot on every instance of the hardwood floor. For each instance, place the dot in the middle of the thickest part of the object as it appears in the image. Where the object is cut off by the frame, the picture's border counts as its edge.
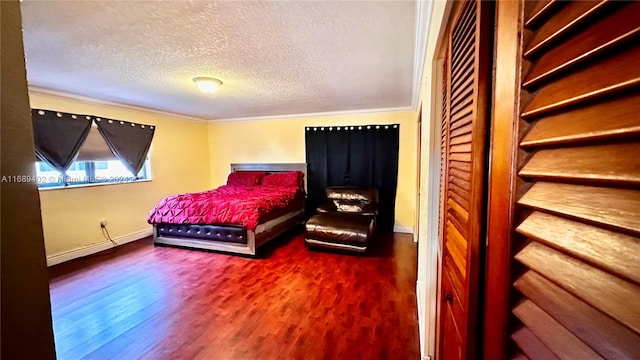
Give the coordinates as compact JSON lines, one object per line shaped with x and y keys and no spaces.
{"x":144,"y":302}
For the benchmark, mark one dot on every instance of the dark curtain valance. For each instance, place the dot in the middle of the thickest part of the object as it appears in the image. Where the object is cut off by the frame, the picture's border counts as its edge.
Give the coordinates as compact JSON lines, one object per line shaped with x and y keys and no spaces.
{"x":58,"y":136}
{"x":129,"y":142}
{"x":364,"y":155}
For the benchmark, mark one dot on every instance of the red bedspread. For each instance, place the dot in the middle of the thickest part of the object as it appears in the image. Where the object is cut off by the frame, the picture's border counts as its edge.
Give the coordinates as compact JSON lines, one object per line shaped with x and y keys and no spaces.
{"x":232,"y":205}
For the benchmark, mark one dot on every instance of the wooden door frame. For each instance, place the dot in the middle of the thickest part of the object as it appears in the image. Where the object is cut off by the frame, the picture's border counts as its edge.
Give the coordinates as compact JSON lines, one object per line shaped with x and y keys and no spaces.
{"x":501,"y":180}
{"x":436,"y":207}
{"x":485,"y":60}
{"x":502,"y":167}
{"x":427,"y":284}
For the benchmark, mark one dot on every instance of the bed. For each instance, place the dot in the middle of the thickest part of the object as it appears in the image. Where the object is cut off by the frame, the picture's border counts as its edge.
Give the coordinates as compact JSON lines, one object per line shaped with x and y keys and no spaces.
{"x":222,"y":229}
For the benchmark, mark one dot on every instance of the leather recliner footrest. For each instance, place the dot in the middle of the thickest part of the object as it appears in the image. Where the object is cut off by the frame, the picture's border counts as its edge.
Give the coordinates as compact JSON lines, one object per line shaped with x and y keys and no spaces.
{"x":339,"y":230}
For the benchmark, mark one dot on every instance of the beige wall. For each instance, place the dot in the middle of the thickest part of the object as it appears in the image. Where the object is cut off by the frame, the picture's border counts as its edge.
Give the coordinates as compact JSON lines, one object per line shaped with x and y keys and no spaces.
{"x":179,"y":163}
{"x":282,"y":140}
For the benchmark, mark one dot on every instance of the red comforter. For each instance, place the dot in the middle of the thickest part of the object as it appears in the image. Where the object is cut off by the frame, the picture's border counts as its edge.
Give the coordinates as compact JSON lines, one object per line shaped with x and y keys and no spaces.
{"x":233,"y":205}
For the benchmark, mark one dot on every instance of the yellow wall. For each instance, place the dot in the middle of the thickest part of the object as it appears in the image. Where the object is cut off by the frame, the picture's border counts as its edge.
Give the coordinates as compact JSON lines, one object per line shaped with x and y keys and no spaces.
{"x":282,"y":141}
{"x":179,"y":163}
{"x":189,"y":156}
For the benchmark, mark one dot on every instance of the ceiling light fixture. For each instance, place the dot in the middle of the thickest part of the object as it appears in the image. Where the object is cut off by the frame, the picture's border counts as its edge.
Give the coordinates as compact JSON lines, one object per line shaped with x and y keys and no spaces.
{"x":207,"y":84}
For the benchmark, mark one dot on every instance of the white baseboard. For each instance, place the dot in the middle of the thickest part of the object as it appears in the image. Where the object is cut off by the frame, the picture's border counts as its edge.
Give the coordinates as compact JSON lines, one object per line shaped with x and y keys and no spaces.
{"x":96,"y":248}
{"x":403,"y":229}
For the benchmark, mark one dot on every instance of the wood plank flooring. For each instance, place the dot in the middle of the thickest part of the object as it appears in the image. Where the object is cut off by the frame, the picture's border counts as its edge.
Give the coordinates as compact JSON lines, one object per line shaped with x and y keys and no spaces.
{"x":144,"y":302}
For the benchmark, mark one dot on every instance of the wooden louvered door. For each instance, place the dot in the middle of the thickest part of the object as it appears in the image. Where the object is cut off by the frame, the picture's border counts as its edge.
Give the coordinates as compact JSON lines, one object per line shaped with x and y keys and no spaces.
{"x":466,"y":77}
{"x":577,"y":243}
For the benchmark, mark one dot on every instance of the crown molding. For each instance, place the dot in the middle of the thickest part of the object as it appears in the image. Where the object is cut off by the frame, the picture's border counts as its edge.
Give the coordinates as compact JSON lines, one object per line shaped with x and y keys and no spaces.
{"x":423,"y":19}
{"x":116,"y":105}
{"x":317,"y":114}
{"x":112,"y":104}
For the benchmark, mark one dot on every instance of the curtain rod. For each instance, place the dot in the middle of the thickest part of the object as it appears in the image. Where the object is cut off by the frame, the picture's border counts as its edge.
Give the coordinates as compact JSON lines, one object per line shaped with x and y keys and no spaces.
{"x":92,"y":117}
{"x":355,"y":127}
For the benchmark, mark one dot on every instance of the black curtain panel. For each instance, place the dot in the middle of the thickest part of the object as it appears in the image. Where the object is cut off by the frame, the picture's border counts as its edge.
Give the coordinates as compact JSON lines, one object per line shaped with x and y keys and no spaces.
{"x":128,"y":141}
{"x":316,"y":145}
{"x":365,"y":155}
{"x":58,"y":136}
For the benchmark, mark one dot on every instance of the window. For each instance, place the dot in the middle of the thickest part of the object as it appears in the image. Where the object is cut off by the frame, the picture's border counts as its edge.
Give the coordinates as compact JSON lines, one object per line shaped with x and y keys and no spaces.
{"x":103,"y":151}
{"x":95,"y":164}
{"x":88,"y":172}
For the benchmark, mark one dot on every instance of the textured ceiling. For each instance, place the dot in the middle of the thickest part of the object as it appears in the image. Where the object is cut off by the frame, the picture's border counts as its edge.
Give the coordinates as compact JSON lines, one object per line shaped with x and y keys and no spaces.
{"x":274,"y":57}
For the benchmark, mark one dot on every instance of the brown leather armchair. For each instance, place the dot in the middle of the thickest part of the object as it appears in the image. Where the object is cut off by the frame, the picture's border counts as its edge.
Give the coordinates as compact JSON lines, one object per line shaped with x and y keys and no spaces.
{"x":345,"y":221}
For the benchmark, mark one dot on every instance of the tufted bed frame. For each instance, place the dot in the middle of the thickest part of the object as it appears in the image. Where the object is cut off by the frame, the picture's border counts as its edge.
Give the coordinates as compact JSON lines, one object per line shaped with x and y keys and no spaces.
{"x":236,"y":239}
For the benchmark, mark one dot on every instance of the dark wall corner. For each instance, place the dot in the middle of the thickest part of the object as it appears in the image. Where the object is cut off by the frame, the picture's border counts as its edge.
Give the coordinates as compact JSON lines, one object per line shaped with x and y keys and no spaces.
{"x":25,"y":313}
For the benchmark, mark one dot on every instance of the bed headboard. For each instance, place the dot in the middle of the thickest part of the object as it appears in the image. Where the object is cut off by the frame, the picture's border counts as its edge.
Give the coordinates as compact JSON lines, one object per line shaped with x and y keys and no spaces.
{"x":272,"y":168}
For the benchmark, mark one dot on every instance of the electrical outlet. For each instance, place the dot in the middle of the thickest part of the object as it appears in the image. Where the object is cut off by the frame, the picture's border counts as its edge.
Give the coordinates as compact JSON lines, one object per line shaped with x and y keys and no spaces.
{"x":103,"y":223}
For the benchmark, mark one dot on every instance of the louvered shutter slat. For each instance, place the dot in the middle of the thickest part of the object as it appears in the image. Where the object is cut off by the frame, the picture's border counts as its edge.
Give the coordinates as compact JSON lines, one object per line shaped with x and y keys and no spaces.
{"x":465,"y":66}
{"x":555,"y":336}
{"x":539,"y":10}
{"x":457,"y":246}
{"x":611,"y":207}
{"x":463,"y":194}
{"x":597,"y":330}
{"x":465,"y":185}
{"x":622,"y":164}
{"x":519,"y":356}
{"x":454,"y":277}
{"x":615,"y":73}
{"x":532,"y":346}
{"x":461,"y":122}
{"x":608,"y":250}
{"x":567,"y":17}
{"x":602,"y":36}
{"x":586,"y":123}
{"x":461,"y":157}
{"x":461,"y":139}
{"x":444,"y":130}
{"x":463,"y":106}
{"x":610,"y":294}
